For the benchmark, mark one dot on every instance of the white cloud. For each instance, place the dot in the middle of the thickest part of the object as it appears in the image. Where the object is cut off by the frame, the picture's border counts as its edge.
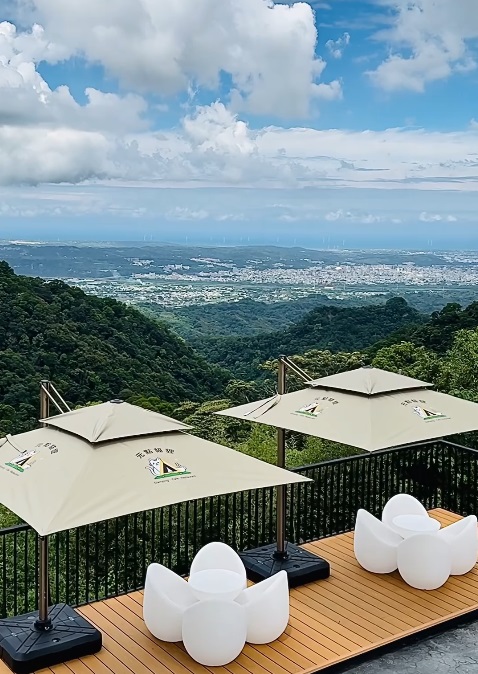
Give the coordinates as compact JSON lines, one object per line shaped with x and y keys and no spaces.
{"x":336,"y":47}
{"x":254,"y":208}
{"x":429,"y":40}
{"x":168,"y":46}
{"x":473,"y":124}
{"x":213,"y":146}
{"x":26,"y":99}
{"x":234,"y":217}
{"x":436,"y":217}
{"x":328,"y":92}
{"x":180,"y":213}
{"x":350,"y":216}
{"x":332,"y":216}
{"x":40,"y":155}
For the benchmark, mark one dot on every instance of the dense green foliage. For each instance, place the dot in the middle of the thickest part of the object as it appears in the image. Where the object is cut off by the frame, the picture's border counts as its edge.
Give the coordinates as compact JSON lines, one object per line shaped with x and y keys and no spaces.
{"x":333,"y":328}
{"x":438,"y":332}
{"x":251,"y":317}
{"x":226,"y":319}
{"x":92,"y":348}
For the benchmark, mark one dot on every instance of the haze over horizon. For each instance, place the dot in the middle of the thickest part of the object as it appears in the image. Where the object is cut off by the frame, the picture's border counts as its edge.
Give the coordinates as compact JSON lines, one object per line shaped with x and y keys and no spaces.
{"x":350,"y":123}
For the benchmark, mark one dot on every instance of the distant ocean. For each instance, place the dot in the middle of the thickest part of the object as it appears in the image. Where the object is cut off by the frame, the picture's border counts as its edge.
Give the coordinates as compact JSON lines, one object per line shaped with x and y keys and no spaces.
{"x":419,"y":236}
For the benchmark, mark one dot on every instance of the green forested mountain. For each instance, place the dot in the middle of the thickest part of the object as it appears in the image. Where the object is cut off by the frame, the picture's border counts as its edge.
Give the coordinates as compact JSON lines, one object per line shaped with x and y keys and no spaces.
{"x":333,"y":328}
{"x":226,"y":319}
{"x":438,"y":332}
{"x":252,"y":317}
{"x":92,"y":348}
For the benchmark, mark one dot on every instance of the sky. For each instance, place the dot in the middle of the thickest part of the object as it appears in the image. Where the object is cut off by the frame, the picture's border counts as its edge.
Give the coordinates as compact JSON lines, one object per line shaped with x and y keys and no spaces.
{"x":334,"y":123}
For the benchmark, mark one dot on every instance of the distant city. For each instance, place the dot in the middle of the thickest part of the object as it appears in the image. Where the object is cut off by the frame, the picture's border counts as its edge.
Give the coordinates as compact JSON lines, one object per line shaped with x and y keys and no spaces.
{"x":175,"y":276}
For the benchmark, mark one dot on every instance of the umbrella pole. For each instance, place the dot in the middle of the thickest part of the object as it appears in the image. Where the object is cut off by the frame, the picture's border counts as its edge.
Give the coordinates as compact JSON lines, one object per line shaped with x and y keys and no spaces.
{"x":281,"y":551}
{"x":300,"y":565}
{"x":43,"y":621}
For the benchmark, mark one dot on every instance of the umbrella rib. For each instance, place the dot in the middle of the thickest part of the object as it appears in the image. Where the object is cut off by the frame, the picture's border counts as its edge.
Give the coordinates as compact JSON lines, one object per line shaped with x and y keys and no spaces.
{"x":273,"y":402}
{"x":8,"y":438}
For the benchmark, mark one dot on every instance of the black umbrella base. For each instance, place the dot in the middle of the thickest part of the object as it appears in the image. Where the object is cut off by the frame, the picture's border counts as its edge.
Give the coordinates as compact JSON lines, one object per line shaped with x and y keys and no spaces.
{"x":25,"y":649}
{"x":301,"y":565}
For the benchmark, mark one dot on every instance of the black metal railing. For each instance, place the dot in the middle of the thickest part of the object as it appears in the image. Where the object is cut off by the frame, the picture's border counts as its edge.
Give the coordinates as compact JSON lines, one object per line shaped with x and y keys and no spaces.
{"x":110,"y":558}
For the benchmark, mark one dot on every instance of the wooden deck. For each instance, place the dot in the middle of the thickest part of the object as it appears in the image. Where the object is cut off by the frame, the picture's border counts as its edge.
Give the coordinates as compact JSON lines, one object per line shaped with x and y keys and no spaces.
{"x":332,"y":621}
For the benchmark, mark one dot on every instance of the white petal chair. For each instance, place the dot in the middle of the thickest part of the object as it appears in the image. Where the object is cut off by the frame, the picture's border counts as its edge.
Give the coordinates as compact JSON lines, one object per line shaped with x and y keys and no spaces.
{"x":218,"y":556}
{"x":166,"y":598}
{"x":424,"y":561}
{"x":267,"y":608}
{"x":462,"y":539}
{"x":375,"y":545}
{"x":214,"y":632}
{"x":401,"y":504}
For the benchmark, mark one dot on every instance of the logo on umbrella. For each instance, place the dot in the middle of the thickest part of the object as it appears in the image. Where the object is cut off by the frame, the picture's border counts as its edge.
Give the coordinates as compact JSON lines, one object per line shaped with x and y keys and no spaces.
{"x":311,"y":410}
{"x":160,"y":468}
{"x":428,"y":415}
{"x":23,"y":461}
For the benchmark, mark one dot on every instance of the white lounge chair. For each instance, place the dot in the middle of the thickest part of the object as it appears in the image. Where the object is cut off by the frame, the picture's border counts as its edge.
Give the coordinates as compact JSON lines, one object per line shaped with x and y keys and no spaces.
{"x":267,"y":608}
{"x":218,"y":556}
{"x":375,"y":545}
{"x":424,"y":561}
{"x":461,"y":536}
{"x":214,"y":632}
{"x":401,"y":504}
{"x":166,"y":597}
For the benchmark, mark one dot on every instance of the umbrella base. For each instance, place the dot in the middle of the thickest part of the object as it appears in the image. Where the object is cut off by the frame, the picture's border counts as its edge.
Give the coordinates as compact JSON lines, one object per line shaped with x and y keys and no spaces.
{"x":301,"y":565}
{"x":25,"y":649}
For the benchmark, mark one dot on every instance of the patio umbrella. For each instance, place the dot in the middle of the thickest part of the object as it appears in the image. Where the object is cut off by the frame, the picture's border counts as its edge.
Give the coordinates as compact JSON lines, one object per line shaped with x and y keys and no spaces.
{"x":368,"y":408}
{"x":102,"y":462}
{"x":92,"y":464}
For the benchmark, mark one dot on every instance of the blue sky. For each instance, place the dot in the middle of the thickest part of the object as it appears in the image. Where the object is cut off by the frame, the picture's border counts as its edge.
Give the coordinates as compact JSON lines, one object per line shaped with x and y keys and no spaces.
{"x":325,"y":123}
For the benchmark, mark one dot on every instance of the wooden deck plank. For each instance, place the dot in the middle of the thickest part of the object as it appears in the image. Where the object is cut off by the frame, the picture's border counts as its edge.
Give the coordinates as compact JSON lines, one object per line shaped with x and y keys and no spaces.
{"x":348,"y":566}
{"x":331,"y":621}
{"x":442,"y":598}
{"x":452,"y":596}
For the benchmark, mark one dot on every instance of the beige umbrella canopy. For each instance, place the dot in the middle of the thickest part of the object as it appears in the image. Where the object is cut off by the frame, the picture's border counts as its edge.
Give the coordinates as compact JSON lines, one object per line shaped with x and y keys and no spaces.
{"x":367,"y":408}
{"x":112,"y":420}
{"x":97,"y":463}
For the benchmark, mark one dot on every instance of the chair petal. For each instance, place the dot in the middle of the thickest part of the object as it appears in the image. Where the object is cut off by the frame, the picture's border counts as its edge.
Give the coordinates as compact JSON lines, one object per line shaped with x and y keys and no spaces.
{"x":214,"y":632}
{"x":267,"y":608}
{"x":375,"y":545}
{"x":424,"y":561}
{"x":166,"y":597}
{"x":401,"y":504}
{"x":218,"y":556}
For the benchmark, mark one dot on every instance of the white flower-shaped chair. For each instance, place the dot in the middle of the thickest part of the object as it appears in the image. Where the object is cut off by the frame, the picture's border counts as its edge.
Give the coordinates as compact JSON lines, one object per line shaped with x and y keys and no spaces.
{"x":267,"y":608}
{"x":166,"y":598}
{"x":375,"y":544}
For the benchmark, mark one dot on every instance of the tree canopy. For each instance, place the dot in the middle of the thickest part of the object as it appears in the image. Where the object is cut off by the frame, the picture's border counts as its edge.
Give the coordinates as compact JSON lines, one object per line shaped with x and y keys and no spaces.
{"x":92,"y":348}
{"x":325,"y":327}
